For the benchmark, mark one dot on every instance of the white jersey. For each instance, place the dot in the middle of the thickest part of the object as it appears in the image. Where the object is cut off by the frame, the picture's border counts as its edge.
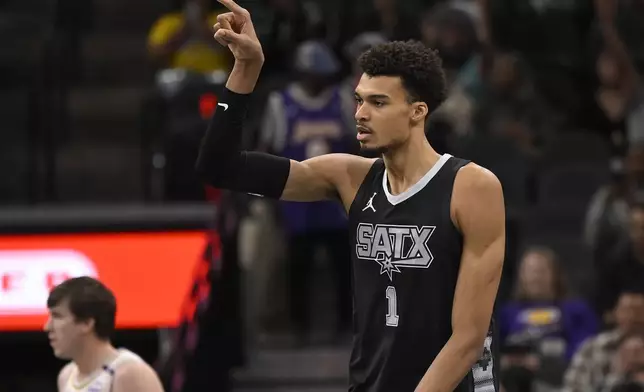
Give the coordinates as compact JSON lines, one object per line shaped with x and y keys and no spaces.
{"x":102,"y":379}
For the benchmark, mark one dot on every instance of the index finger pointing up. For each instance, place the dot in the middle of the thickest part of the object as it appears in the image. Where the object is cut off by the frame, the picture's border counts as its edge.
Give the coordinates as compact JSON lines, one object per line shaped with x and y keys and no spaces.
{"x":232,"y":6}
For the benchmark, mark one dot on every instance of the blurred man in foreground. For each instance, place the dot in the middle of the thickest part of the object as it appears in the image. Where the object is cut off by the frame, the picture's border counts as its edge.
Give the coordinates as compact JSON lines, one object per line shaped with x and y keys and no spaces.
{"x":82,"y":314}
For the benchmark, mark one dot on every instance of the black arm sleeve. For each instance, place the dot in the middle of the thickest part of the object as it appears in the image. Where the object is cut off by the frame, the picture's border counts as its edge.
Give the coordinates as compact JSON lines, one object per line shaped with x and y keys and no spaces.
{"x":222,"y":164}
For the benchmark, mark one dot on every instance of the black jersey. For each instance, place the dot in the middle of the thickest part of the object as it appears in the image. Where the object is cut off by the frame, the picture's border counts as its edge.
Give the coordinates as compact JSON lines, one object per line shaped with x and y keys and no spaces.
{"x":406,"y":260}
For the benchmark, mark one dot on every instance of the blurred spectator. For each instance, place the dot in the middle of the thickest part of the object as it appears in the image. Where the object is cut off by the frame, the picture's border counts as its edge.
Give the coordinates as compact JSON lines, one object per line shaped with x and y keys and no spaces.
{"x":316,"y":66}
{"x":353,"y":49}
{"x":541,"y":328}
{"x":621,"y":93}
{"x":452,"y":32}
{"x":472,"y":7}
{"x":506,"y":104}
{"x":608,"y":216}
{"x":185,"y":39}
{"x":592,"y":363}
{"x":512,"y":106}
{"x":454,"y":116}
{"x":293,"y":22}
{"x":552,"y":37}
{"x":305,"y":120}
{"x":389,"y":18}
{"x":626,"y":363}
{"x":493,"y":91}
{"x":262,"y":256}
{"x":625,"y":269}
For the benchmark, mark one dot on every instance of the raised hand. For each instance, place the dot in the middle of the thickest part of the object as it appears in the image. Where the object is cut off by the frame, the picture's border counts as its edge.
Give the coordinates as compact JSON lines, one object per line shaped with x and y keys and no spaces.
{"x":235,"y":30}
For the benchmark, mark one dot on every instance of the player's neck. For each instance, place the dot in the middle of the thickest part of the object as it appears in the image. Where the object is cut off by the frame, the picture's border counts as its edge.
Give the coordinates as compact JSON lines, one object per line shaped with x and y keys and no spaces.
{"x":407,"y":164}
{"x":93,"y":356}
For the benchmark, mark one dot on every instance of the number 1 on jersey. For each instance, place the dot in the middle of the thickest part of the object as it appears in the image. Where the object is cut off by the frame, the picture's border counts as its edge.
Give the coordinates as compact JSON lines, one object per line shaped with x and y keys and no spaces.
{"x":392,"y":307}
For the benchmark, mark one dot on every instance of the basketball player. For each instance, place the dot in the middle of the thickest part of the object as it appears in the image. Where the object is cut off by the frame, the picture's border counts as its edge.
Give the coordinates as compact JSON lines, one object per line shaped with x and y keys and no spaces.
{"x":428,"y":230}
{"x":81,"y":321}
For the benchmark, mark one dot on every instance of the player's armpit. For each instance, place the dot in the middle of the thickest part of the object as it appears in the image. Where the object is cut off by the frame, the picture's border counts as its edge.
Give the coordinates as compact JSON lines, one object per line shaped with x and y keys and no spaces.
{"x":479,"y":210}
{"x":326,"y":177}
{"x":63,"y":376}
{"x":136,"y":377}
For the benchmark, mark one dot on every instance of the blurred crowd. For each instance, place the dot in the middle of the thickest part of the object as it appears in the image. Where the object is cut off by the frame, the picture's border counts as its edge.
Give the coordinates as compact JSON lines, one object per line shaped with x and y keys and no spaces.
{"x":534,"y":87}
{"x":548,"y":94}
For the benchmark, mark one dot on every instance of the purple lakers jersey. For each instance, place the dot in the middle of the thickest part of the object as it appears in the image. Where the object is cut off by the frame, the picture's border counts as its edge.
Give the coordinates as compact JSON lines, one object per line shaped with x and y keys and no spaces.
{"x":312,"y":127}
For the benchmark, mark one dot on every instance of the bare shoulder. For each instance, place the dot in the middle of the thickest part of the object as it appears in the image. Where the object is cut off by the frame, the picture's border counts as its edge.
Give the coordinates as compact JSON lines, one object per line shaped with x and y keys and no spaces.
{"x":349,"y":171}
{"x":473,"y":177}
{"x":477,"y":193}
{"x":136,"y":375}
{"x":354,"y":165}
{"x":64,"y":374}
{"x":327,"y":176}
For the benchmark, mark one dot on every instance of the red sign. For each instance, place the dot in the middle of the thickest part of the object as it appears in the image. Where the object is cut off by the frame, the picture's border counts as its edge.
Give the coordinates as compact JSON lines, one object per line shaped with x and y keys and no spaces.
{"x":150,"y":274}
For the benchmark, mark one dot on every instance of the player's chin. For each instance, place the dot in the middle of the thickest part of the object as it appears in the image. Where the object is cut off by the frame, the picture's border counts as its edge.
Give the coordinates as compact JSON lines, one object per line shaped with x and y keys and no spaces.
{"x":60,"y":353}
{"x":371,"y":149}
{"x":369,"y":144}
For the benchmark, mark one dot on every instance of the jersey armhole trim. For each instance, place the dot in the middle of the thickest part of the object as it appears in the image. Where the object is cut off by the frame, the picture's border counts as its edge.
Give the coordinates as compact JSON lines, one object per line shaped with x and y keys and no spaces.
{"x":366,"y":178}
{"x":458,"y":168}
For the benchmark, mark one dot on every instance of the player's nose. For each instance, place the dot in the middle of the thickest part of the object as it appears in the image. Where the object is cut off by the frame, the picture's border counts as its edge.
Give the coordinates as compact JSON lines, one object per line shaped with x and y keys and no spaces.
{"x":47,"y":326}
{"x":362,"y":114}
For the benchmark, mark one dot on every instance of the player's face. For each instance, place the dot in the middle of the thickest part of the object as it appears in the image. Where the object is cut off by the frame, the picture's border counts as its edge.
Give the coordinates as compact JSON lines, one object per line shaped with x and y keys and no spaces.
{"x":631,"y":353}
{"x":384,"y":116}
{"x":536,"y":276}
{"x":64,"y":331}
{"x":629,"y":312}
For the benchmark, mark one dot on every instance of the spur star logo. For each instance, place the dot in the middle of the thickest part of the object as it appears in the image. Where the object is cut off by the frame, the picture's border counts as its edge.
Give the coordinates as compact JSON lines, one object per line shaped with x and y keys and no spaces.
{"x":394,"y":246}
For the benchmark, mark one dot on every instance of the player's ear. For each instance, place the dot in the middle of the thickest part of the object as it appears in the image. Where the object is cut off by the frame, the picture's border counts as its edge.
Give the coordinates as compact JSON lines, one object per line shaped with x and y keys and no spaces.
{"x":419,"y":111}
{"x":88,"y":325}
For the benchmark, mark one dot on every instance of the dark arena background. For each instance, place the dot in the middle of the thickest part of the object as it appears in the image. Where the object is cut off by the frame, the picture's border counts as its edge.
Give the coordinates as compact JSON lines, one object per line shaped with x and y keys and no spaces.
{"x":103,"y":104}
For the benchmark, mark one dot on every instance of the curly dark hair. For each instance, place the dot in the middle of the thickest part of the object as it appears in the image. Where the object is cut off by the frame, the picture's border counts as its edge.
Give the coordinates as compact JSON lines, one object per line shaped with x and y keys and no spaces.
{"x":419,"y":68}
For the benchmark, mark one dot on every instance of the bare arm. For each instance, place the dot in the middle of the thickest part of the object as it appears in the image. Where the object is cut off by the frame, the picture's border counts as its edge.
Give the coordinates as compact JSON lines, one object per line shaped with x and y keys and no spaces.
{"x":326,"y":177}
{"x":63,"y":376}
{"x":221,"y":161}
{"x":479,"y":211}
{"x":323,"y":177}
{"x":136,"y":377}
{"x":223,"y":164}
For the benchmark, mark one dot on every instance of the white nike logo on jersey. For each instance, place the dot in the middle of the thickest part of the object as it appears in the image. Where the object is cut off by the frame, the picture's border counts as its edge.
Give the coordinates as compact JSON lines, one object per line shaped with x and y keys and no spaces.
{"x":223,"y":105}
{"x":370,"y":203}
